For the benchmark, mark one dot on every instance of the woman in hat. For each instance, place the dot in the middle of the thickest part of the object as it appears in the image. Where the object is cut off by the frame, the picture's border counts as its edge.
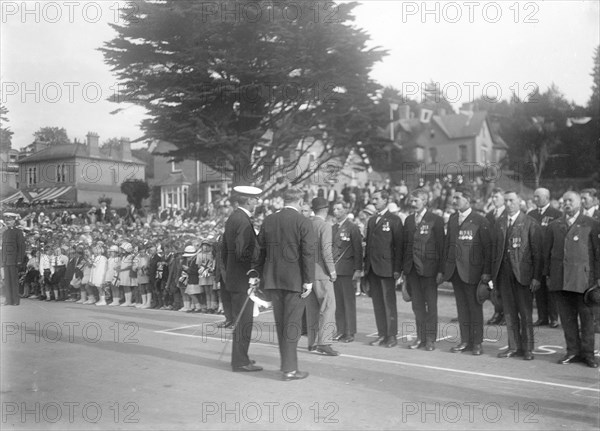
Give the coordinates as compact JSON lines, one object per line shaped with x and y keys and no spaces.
{"x":97,"y":274}
{"x":111,"y":277}
{"x":189,"y":273}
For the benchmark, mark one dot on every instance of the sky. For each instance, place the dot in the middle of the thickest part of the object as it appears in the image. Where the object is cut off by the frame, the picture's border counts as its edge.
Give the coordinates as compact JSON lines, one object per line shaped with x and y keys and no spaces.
{"x":52,"y":74}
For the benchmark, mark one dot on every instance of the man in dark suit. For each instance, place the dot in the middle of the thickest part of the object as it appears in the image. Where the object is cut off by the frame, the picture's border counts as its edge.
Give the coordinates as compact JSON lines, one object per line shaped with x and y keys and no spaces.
{"x":13,"y":254}
{"x":423,"y":250}
{"x":467,"y":261}
{"x":383,"y":266}
{"x":320,"y":304}
{"x":287,"y":264}
{"x":348,"y":259}
{"x":544,"y":214}
{"x":102,"y":213}
{"x":572,"y":265}
{"x":492,"y":216}
{"x":517,"y":271}
{"x":589,"y":204}
{"x":239,"y":247}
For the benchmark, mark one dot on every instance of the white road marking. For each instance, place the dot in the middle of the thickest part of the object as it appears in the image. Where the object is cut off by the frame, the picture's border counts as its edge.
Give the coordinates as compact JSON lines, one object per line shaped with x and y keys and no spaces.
{"x":410,"y":364}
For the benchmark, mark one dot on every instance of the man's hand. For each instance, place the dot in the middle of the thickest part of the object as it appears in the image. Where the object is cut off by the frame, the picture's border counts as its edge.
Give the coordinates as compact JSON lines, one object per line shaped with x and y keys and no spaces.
{"x":306,"y":289}
{"x":535,"y":285}
{"x":357,"y":275}
{"x":333,"y":277}
{"x":439,"y":279}
{"x":397,"y":275}
{"x":486,"y":278}
{"x":254,"y":281}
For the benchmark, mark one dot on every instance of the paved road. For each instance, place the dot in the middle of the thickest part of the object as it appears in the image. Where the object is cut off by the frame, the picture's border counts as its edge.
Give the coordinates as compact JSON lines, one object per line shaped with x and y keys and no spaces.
{"x":69,"y":366}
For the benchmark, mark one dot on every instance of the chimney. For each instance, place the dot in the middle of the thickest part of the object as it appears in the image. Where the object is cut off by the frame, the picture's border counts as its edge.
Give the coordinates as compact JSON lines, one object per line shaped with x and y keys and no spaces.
{"x":92,"y":144}
{"x":404,"y":112}
{"x":125,"y":149}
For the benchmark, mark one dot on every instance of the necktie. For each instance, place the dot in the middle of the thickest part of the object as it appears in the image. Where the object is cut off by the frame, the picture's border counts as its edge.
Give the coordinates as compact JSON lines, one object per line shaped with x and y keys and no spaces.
{"x":336,"y":227}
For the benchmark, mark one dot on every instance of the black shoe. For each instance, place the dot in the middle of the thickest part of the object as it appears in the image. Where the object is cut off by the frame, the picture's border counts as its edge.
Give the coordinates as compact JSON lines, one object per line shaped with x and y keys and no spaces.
{"x":224,"y":324}
{"x":338,"y":337}
{"x":509,"y":354}
{"x":391,"y":342}
{"x":327,"y":350}
{"x":247,"y":368}
{"x":294,"y":375}
{"x":347,"y":339}
{"x":312,"y":348}
{"x":454,"y":319}
{"x":462,"y":347}
{"x":417,"y":344}
{"x":569,"y":359}
{"x":590,"y":362}
{"x":477,"y":351}
{"x":540,"y":322}
{"x":429,"y":347}
{"x":379,"y":341}
{"x":528,"y":356}
{"x":553,"y":324}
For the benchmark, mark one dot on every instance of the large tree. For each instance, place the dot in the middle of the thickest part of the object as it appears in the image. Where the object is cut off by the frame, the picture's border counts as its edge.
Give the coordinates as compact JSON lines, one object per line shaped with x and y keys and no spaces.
{"x":52,"y":135}
{"x":5,"y":132}
{"x":217,"y":78}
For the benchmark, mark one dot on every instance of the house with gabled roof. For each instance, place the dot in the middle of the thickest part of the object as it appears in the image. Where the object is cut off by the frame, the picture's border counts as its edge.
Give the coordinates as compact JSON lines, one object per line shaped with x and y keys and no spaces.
{"x":184,"y":182}
{"x":76,"y":172}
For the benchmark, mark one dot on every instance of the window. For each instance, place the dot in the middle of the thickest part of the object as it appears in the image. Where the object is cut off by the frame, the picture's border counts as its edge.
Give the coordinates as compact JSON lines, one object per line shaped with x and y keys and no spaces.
{"x":419,"y":153}
{"x":462,"y":153}
{"x":433,"y":155}
{"x":484,"y":155}
{"x":175,"y":166}
{"x":31,"y":176}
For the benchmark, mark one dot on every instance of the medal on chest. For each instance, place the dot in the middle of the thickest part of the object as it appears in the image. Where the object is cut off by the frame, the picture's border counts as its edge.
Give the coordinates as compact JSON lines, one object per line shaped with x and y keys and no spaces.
{"x":424,"y":229}
{"x":386,"y":226}
{"x":465,"y":235}
{"x":516,"y":242}
{"x":344,"y":236}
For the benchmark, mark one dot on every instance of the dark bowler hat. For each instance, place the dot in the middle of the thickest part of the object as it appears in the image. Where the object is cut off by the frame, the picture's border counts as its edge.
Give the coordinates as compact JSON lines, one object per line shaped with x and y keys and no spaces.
{"x":483,"y":292}
{"x":592,"y":296}
{"x":319,"y":203}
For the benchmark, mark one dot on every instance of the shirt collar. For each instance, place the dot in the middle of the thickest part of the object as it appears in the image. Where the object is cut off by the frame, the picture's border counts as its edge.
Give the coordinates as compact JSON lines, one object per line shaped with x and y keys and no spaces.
{"x":342,"y":222}
{"x":591,"y":210}
{"x":464,"y":214}
{"x":421,"y":214}
{"x":246,"y":211}
{"x":291,"y":207}
{"x":571,"y":220}
{"x":382,"y":212}
{"x":544,"y":208}
{"x":499,"y":210}
{"x":513,"y":218}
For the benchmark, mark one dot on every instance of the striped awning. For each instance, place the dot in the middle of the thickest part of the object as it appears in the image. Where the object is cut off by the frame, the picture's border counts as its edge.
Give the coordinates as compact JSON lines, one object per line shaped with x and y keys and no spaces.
{"x":14,"y":197}
{"x":49,"y":193}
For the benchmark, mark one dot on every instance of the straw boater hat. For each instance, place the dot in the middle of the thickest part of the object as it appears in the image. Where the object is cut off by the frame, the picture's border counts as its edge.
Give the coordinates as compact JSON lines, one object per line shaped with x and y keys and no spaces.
{"x":189,"y":251}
